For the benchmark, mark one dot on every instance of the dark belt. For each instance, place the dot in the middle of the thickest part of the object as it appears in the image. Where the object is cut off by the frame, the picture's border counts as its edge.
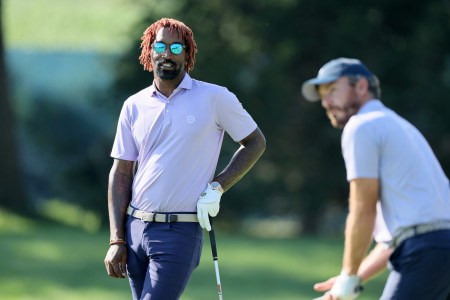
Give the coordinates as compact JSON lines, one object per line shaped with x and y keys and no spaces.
{"x":415,"y":230}
{"x":161,"y":217}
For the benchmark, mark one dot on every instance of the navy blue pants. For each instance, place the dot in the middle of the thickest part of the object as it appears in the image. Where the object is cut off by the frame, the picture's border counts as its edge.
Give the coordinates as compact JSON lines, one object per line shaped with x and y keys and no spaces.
{"x":420,"y":269}
{"x":161,"y":257}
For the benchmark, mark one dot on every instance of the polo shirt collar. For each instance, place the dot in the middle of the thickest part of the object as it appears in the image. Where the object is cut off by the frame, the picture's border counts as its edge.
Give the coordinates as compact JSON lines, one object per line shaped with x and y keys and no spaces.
{"x":186,"y":84}
{"x":371,"y":105}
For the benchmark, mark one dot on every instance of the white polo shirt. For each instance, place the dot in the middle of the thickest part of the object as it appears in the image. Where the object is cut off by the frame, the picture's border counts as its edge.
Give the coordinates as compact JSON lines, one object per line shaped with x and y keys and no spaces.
{"x":378,"y":143}
{"x":381,"y":232}
{"x":176,"y":141}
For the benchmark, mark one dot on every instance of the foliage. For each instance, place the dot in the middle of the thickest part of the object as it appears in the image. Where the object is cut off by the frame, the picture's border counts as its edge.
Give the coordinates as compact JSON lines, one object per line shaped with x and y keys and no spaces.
{"x":263,"y":51}
{"x":11,"y":186}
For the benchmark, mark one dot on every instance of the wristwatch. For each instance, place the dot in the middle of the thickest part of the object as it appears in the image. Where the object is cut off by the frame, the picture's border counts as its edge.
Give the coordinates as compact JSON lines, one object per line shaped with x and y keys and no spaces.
{"x":216,"y":186}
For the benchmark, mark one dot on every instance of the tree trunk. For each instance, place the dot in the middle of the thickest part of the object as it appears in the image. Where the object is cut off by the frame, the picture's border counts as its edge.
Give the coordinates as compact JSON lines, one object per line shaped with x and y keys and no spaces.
{"x":12,"y":195}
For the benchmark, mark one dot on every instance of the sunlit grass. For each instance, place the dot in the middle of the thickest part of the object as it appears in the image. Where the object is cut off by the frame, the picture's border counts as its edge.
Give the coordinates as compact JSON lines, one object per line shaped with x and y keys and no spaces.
{"x":99,"y":25}
{"x":60,"y":262}
{"x":71,"y":214}
{"x":13,"y":223}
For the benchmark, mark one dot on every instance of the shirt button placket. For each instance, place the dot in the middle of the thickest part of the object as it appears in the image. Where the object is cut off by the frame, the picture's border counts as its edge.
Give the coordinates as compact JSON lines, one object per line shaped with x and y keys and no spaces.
{"x":167,"y":113}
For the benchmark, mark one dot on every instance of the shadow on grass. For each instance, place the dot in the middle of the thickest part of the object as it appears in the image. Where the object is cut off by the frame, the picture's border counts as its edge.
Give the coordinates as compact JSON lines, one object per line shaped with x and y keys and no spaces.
{"x":252,"y":268}
{"x":51,"y":262}
{"x":56,"y":263}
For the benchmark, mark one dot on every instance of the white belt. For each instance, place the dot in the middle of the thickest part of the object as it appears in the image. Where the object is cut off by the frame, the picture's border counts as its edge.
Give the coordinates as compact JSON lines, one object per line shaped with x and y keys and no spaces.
{"x":412,"y":231}
{"x":161,"y":217}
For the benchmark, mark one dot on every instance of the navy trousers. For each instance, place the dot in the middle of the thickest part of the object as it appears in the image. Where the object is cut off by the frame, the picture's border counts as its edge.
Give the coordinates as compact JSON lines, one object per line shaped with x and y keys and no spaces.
{"x":420,"y":268}
{"x":161,"y":257}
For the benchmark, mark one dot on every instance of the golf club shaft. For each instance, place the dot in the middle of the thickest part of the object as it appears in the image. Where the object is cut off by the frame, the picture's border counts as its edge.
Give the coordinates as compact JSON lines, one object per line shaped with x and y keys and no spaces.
{"x":219,"y":287}
{"x":212,"y":239}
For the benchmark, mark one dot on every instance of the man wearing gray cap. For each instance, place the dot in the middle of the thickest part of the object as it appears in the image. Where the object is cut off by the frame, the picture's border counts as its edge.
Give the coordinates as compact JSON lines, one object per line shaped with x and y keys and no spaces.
{"x":388,"y":162}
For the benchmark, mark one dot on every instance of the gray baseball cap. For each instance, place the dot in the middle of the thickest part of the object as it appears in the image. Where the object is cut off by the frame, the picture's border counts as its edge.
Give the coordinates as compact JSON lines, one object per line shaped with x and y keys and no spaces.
{"x":332,"y":71}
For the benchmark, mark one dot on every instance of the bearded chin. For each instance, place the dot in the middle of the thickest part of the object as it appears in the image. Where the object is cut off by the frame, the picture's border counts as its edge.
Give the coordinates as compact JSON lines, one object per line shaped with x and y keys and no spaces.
{"x":350,"y":111}
{"x":167,"y":74}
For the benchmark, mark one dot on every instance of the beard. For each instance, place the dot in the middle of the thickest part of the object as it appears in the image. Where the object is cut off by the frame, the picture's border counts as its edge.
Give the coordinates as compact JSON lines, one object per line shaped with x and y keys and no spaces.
{"x":167,"y":74}
{"x":339,"y":116}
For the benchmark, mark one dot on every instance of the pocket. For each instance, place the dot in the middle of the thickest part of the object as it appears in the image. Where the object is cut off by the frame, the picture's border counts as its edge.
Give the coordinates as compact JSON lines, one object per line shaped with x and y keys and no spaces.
{"x":199,"y":251}
{"x":187,"y":229}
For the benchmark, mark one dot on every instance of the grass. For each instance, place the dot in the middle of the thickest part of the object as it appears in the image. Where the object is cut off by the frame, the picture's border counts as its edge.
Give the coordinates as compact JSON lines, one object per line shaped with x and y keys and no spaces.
{"x":100,"y":25}
{"x":41,"y":261}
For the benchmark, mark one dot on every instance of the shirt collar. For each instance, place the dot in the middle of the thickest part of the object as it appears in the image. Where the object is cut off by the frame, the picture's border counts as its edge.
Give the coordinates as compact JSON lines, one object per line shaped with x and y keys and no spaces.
{"x":186,"y":84}
{"x":371,"y":105}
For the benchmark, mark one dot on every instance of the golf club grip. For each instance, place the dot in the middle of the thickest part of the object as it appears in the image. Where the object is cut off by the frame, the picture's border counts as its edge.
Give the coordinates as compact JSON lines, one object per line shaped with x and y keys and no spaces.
{"x":212,"y":238}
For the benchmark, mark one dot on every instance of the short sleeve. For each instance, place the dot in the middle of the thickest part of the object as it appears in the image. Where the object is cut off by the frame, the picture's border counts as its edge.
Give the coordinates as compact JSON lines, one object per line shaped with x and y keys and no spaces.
{"x":360,"y":150}
{"x":124,"y":146}
{"x":232,"y":117}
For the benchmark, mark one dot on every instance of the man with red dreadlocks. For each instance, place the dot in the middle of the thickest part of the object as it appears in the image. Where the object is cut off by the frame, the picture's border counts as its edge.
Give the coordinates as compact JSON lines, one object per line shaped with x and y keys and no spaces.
{"x":162,"y":185}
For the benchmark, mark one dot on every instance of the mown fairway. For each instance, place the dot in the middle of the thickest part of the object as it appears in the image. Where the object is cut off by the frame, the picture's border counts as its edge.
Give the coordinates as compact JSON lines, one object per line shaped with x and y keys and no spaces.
{"x":54,"y":262}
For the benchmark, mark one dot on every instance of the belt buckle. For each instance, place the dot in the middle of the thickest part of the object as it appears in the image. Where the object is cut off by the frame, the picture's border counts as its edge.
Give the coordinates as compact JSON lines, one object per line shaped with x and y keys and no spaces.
{"x":144,"y":216}
{"x":172,"y":218}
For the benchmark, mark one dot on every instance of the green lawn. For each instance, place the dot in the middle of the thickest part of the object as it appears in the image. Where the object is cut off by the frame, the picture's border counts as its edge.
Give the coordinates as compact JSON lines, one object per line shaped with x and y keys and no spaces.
{"x":68,"y":25}
{"x":55,"y":262}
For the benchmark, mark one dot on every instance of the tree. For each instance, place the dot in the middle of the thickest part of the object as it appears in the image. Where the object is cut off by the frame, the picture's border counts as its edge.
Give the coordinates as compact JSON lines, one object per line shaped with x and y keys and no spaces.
{"x":12,"y":195}
{"x":264,"y":50}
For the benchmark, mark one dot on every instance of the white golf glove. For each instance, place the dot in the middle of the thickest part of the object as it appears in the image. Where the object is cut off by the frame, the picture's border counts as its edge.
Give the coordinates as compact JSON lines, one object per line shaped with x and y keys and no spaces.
{"x":208,"y":204}
{"x":346,"y":287}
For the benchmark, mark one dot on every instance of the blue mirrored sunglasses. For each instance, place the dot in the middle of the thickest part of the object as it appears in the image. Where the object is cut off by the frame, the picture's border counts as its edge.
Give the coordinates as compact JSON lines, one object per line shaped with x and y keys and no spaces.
{"x":175,"y":48}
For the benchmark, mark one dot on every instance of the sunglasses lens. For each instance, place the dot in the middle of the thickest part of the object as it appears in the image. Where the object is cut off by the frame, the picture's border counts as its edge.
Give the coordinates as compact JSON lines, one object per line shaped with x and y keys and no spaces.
{"x":159,"y":47}
{"x":176,"y":48}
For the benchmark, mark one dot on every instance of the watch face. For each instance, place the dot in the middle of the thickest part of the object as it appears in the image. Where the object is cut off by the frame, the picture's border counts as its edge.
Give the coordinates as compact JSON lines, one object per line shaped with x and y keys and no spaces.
{"x":216,"y":186}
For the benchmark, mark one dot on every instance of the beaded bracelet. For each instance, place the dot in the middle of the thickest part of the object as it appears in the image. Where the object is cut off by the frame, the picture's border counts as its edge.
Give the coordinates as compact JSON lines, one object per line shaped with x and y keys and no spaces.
{"x":117,"y":242}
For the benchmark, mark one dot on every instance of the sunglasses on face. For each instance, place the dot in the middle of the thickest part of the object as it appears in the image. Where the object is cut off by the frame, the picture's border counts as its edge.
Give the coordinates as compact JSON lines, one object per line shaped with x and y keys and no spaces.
{"x":175,"y":48}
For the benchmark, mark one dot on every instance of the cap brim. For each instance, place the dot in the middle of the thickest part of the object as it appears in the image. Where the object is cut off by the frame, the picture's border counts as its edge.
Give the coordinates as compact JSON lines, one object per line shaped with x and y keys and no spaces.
{"x":309,"y":87}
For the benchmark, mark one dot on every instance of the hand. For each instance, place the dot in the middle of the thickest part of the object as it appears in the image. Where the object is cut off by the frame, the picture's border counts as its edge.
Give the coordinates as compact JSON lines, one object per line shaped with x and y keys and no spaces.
{"x":116,"y":261}
{"x":325,"y":285}
{"x":345,"y":287}
{"x":208,"y":204}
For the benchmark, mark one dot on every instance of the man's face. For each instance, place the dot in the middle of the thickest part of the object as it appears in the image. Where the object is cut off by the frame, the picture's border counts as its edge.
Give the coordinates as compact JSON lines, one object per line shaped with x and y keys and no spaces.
{"x":340,"y":101}
{"x":166,"y":65}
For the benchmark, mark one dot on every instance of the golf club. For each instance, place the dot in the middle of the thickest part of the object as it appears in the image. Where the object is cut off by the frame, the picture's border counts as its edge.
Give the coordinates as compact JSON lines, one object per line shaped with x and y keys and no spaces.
{"x":212,"y":239}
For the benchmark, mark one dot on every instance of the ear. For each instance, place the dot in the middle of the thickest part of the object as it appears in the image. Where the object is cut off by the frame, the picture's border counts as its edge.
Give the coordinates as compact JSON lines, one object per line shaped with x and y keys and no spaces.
{"x":362,"y":86}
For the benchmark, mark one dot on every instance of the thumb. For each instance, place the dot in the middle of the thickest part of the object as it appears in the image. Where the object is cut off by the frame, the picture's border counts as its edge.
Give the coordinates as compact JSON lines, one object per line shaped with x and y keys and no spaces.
{"x":325,"y":285}
{"x":207,"y":224}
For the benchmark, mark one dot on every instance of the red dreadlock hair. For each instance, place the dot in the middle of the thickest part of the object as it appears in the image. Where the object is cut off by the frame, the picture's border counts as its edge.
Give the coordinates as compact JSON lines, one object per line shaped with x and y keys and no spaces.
{"x":183,"y":32}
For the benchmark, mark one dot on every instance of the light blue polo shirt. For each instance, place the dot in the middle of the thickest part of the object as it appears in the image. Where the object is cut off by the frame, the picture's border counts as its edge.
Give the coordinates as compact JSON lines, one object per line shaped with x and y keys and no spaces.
{"x":176,"y":141}
{"x":378,"y":143}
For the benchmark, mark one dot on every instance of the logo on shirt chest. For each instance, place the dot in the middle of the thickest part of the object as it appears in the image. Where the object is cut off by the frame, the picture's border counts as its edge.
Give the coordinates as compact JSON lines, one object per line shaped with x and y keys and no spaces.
{"x":190,"y":119}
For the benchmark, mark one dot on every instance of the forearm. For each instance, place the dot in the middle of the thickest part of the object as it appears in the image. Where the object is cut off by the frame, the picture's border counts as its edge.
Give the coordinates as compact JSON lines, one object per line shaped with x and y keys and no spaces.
{"x":364,"y":194}
{"x":243,"y":160}
{"x":119,"y":196}
{"x":375,"y":262}
{"x":358,"y":237}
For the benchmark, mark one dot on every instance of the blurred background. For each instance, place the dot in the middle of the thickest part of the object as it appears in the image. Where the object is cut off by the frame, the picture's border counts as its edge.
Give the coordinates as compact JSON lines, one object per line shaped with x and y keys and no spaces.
{"x":67,"y":66}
